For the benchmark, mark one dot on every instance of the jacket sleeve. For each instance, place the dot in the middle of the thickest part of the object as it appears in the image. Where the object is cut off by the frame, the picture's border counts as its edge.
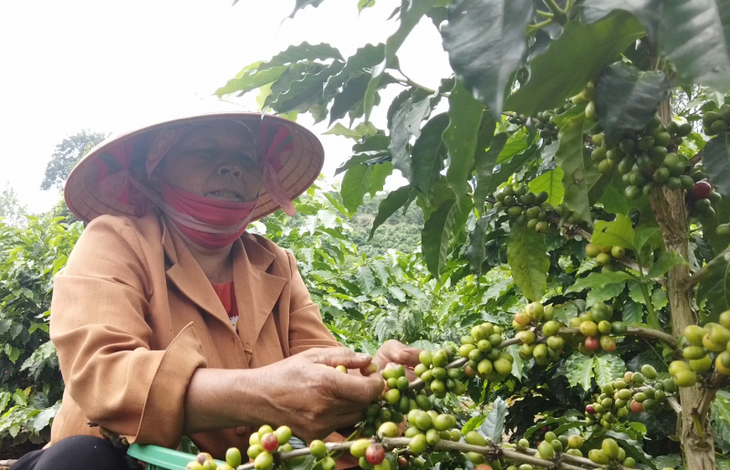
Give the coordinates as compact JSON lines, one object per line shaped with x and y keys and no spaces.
{"x":98,"y":326}
{"x":306,"y":329}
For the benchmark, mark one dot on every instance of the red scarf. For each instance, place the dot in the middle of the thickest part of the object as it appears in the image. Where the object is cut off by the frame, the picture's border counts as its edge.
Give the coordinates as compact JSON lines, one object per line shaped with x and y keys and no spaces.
{"x":230,"y":218}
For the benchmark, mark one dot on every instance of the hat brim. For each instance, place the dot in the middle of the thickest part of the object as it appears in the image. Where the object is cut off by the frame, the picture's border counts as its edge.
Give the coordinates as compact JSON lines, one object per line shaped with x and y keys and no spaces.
{"x":299,"y":169}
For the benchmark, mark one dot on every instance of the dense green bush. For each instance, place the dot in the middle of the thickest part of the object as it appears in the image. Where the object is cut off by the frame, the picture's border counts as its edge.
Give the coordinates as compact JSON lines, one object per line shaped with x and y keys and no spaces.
{"x":30,"y":381}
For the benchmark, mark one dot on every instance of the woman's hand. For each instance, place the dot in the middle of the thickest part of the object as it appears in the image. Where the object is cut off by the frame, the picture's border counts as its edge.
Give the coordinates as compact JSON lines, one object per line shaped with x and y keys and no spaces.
{"x":395,"y":352}
{"x":309,"y":395}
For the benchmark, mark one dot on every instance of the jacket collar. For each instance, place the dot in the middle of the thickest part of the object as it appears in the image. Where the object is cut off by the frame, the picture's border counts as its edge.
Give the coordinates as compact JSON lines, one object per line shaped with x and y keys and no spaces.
{"x":257,"y":291}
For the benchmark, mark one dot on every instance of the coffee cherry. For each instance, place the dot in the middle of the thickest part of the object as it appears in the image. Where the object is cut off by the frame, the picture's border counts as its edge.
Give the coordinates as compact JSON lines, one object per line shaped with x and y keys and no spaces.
{"x":359,"y":447}
{"x":328,"y":463}
{"x":375,"y":453}
{"x":418,"y":444}
{"x":701,"y":190}
{"x":269,"y":442}
{"x":263,"y":461}
{"x":546,"y":450}
{"x":369,"y":369}
{"x":318,"y":449}
{"x":233,"y":457}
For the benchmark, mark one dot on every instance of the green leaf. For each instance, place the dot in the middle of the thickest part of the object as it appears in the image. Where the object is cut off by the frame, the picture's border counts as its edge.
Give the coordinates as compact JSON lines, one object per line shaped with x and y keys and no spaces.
{"x":251,"y":81}
{"x":476,"y":251}
{"x":378,"y":175}
{"x":405,"y":124}
{"x":572,"y":60}
{"x":620,"y":232}
{"x":516,"y":143}
{"x":460,"y":138}
{"x":694,"y":36}
{"x":508,"y":168}
{"x":627,"y":97}
{"x":352,"y":93}
{"x":665,"y":262}
{"x":485,"y":40}
{"x":365,"y":279}
{"x":613,"y":201}
{"x":632,"y":313}
{"x":410,"y":14}
{"x":362,"y":129}
{"x":355,"y":185}
{"x":485,"y":162}
{"x":649,"y":12}
{"x":570,"y":158}
{"x":579,"y":370}
{"x":363,"y":4}
{"x":436,"y":236}
{"x":597,"y":280}
{"x":607,"y":368}
{"x":304,"y":3}
{"x":12,"y":352}
{"x":303,"y":52}
{"x":493,"y":426}
{"x":644,"y":235}
{"x":604,"y":293}
{"x":528,"y":258}
{"x":716,"y":159}
{"x":304,"y":93}
{"x":473,"y":423}
{"x":429,"y":153}
{"x":659,"y":300}
{"x":552,"y":183}
{"x":636,"y":293}
{"x":715,"y":284}
{"x":392,"y":202}
{"x":720,"y":415}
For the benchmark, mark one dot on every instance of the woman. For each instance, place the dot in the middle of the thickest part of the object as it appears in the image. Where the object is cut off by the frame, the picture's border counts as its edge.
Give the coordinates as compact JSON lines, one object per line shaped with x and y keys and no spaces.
{"x":171,"y":320}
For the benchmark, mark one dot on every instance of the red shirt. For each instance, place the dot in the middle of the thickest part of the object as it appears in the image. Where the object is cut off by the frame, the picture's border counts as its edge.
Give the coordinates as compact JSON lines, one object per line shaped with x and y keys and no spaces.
{"x":228,"y":299}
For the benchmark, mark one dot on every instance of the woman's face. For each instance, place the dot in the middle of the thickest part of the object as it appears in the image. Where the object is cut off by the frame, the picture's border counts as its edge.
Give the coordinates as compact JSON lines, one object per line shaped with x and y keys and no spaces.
{"x":216,"y":161}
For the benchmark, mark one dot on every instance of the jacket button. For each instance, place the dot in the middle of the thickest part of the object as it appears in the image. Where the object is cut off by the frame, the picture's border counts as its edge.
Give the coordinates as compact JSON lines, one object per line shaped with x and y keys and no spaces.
{"x":241,"y":430}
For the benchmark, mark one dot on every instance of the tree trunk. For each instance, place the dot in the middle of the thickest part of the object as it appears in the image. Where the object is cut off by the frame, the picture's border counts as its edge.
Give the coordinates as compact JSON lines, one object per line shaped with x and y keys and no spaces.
{"x":671,"y":213}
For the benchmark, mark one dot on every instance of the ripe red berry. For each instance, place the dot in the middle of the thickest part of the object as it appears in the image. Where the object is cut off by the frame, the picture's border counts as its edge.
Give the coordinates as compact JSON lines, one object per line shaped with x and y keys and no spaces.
{"x":522,"y":318}
{"x":592,"y":343}
{"x":637,"y":407}
{"x":375,"y":453}
{"x":701,"y":190}
{"x":269,"y":442}
{"x":402,"y":462}
{"x":590,"y":410}
{"x":545,"y":429}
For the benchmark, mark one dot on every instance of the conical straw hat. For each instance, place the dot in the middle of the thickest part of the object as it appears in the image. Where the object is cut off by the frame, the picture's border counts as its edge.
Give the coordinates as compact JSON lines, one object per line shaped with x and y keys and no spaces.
{"x":99,"y":184}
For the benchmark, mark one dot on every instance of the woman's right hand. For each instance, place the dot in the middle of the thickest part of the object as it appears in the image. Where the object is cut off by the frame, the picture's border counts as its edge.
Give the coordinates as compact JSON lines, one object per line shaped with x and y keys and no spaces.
{"x":307,"y":393}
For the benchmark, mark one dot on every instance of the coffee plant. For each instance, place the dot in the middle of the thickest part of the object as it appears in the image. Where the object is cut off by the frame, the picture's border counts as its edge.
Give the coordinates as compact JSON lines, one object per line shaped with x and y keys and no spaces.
{"x":575,"y":202}
{"x":31,"y":386}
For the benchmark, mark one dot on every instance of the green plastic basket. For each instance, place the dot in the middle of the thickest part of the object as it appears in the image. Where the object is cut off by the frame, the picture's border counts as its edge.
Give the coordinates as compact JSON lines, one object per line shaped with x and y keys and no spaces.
{"x":162,"y":458}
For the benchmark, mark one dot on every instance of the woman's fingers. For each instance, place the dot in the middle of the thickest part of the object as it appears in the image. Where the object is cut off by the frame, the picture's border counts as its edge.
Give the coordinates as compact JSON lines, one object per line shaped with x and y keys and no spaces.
{"x":334,"y":357}
{"x":409,"y":356}
{"x":357,"y":389}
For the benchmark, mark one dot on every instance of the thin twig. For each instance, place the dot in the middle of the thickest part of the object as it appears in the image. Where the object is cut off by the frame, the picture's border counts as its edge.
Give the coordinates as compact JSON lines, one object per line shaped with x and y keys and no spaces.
{"x":697,"y":276}
{"x":527,"y":456}
{"x":635,"y":331}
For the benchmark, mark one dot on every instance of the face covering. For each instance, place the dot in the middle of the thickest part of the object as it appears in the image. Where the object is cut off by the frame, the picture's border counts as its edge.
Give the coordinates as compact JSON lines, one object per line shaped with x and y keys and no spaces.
{"x":208,"y":222}
{"x":228,"y":220}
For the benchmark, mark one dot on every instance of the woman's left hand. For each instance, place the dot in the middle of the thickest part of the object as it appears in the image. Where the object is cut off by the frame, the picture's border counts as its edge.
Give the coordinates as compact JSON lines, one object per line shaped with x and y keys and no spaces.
{"x":395,"y":352}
